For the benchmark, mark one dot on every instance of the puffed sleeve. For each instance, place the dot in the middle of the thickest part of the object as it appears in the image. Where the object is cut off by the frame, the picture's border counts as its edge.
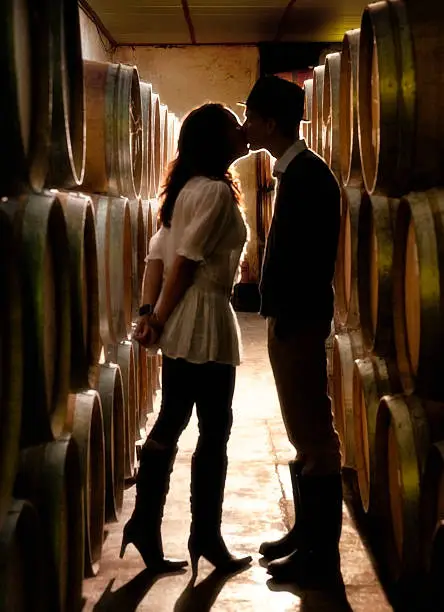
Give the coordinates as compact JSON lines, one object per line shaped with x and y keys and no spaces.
{"x":211,"y":218}
{"x":156,"y":247}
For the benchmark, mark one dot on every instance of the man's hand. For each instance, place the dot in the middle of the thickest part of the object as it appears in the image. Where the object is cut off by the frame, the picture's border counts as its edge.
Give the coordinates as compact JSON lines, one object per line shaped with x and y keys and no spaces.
{"x":144,"y":333}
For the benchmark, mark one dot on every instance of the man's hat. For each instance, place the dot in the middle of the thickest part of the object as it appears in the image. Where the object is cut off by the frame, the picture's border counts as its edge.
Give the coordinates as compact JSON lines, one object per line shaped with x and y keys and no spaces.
{"x":272,"y":96}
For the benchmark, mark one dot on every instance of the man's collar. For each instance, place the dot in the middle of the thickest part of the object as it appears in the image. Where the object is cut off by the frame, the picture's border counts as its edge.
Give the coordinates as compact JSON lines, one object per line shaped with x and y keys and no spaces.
{"x":284,"y":161}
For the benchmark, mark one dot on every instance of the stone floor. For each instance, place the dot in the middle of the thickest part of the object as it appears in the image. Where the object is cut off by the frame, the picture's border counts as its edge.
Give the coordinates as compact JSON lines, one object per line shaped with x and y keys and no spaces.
{"x":257,"y":507}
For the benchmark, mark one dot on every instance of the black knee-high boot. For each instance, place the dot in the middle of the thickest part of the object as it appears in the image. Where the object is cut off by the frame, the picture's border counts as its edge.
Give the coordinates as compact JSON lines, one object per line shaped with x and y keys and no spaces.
{"x":288,"y":543}
{"x":316,"y":559}
{"x":143,"y":530}
{"x":208,"y":474}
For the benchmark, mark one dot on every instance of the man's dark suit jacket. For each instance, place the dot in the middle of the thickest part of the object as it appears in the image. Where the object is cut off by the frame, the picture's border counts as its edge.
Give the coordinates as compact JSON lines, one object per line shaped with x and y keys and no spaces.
{"x":299,"y":262}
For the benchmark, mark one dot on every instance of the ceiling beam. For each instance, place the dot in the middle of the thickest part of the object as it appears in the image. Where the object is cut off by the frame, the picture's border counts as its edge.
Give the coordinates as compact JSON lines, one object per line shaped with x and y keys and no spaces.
{"x":280,"y":29}
{"x":165,"y":45}
{"x":188,"y":19}
{"x":91,"y":13}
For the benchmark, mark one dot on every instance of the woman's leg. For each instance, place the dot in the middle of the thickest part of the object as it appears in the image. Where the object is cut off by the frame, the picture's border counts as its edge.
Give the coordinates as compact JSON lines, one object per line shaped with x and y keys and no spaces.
{"x":156,"y":463}
{"x":209,"y":465}
{"x":178,"y":398}
{"x":209,"y":462}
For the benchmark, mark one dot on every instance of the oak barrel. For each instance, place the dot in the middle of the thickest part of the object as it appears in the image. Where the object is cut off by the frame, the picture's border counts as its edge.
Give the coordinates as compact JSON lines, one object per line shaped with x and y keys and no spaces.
{"x":175,"y":140}
{"x":154,"y":203}
{"x":347,"y":347}
{"x":375,"y":273}
{"x":40,"y":234}
{"x":68,"y":138}
{"x":351,"y":172}
{"x":85,"y":333}
{"x":110,"y":389}
{"x":49,"y":476}
{"x":436,"y":563}
{"x":432,"y":501}
{"x":318,"y":92}
{"x":95,"y":369}
{"x":113,"y":129}
{"x":146,"y":93}
{"x":171,"y":136}
{"x":308,"y":112}
{"x":138,"y":241}
{"x":85,"y":423}
{"x":373,"y":378}
{"x":157,"y":146}
{"x":142,"y":384}
{"x":152,"y":369}
{"x":331,"y":112}
{"x":114,"y":255}
{"x":136,"y":356}
{"x":164,"y":141}
{"x":157,"y":370}
{"x":125,"y":359}
{"x":26,"y":580}
{"x":405,"y":427}
{"x":26,"y":66}
{"x":387,"y":99}
{"x":418,"y":297}
{"x":147,"y":223}
{"x":11,"y":363}
{"x":426,"y":19}
{"x":346,"y":269}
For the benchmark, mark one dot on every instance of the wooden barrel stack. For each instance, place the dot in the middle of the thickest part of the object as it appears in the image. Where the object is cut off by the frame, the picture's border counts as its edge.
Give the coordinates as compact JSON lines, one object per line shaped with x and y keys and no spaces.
{"x":316,"y":109}
{"x":330,"y":111}
{"x":83,"y":151}
{"x":308,"y":112}
{"x":387,"y":357}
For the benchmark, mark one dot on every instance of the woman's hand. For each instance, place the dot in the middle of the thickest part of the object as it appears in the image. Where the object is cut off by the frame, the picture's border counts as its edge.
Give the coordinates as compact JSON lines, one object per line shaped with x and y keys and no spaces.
{"x":144,"y":334}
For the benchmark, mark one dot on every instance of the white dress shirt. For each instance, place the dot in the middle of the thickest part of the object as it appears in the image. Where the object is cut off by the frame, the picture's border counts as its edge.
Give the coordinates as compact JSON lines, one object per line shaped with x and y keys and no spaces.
{"x":284,"y":161}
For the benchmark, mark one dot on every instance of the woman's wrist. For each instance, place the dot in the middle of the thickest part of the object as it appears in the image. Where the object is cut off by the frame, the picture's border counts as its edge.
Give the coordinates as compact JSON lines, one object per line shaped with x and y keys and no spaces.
{"x":156,"y":323}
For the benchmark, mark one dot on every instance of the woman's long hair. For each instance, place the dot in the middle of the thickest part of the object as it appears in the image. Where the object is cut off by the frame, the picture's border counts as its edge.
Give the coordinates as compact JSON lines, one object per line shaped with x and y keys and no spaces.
{"x":203,"y":150}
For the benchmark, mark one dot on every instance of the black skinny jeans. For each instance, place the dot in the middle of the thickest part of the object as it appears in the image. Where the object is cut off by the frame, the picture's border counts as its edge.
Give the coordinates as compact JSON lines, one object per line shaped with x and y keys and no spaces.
{"x":208,"y":385}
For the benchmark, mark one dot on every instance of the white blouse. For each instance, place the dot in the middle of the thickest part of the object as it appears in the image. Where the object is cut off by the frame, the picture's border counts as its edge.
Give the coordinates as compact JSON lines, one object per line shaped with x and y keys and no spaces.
{"x":207,"y":227}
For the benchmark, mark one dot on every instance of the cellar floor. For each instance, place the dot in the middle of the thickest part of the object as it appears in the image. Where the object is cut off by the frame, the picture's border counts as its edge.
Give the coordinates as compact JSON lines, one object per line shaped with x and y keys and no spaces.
{"x":257,"y":506}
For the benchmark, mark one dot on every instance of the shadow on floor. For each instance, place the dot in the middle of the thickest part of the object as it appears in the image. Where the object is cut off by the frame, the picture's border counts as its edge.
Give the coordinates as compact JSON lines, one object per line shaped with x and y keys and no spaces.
{"x":129,"y":596}
{"x":331,"y":600}
{"x":202,"y":597}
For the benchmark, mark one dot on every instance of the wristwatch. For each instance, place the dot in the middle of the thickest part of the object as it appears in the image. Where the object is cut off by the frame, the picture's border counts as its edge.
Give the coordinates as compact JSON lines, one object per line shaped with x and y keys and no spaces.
{"x":146,"y":309}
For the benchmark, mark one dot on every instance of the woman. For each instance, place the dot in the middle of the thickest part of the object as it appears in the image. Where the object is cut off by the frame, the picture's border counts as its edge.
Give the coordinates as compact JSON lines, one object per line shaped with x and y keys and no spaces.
{"x":190,"y":271}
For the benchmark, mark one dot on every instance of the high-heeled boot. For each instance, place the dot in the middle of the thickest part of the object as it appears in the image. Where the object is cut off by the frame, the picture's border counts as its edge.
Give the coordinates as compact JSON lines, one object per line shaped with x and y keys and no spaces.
{"x":208,"y":474}
{"x":143,"y":530}
{"x":288,"y":543}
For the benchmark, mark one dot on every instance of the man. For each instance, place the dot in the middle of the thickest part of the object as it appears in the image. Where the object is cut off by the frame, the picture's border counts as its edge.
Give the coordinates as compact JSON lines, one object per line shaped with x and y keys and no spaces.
{"x":297,"y":301}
